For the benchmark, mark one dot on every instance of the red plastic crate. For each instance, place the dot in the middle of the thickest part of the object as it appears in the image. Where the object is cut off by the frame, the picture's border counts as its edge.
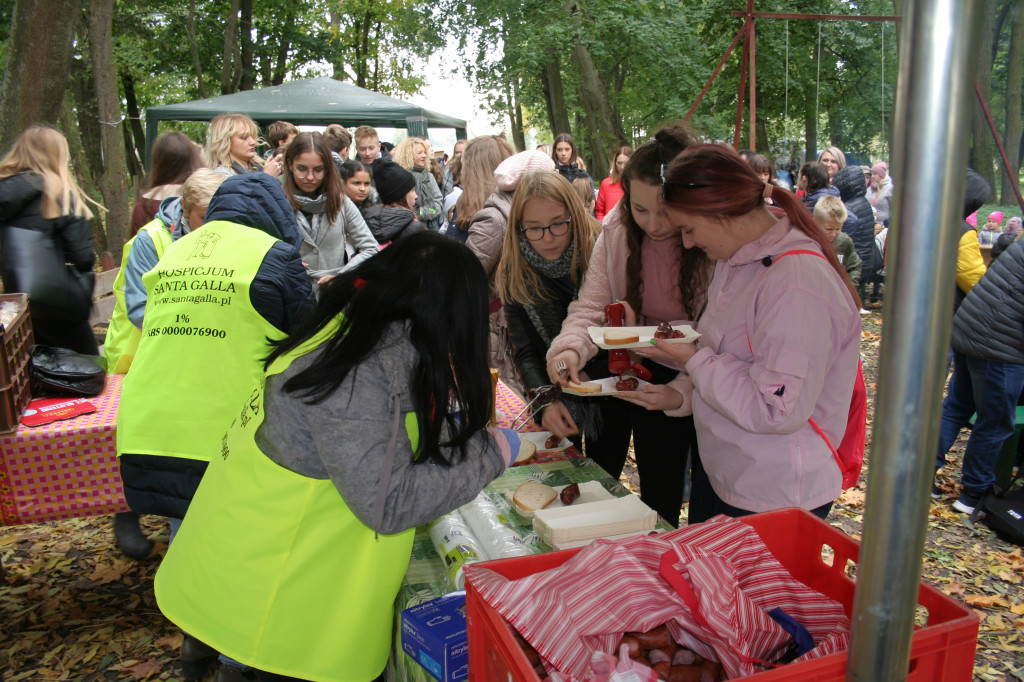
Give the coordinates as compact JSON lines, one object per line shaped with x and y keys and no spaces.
{"x":15,"y":348}
{"x":941,"y":651}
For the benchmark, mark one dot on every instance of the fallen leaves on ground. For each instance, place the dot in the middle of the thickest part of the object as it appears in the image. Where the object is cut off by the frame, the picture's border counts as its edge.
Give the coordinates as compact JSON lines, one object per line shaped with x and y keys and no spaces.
{"x":74,"y":608}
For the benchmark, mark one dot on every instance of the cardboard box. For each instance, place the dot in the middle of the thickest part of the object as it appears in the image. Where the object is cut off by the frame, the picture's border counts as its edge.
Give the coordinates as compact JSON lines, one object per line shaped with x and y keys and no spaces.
{"x":434,"y":635}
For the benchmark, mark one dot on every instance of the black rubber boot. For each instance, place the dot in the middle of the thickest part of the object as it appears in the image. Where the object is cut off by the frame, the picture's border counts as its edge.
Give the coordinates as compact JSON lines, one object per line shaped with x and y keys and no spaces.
{"x":129,"y":536}
{"x":196,"y":658}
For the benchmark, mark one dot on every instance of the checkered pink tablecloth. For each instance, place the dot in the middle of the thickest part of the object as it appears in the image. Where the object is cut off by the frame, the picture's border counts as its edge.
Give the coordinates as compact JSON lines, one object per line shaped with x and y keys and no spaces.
{"x":69,"y":468}
{"x":63,"y":469}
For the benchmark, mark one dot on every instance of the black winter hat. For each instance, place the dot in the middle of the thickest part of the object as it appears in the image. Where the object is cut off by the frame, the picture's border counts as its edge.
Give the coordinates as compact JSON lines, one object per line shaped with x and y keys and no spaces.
{"x":392,"y":181}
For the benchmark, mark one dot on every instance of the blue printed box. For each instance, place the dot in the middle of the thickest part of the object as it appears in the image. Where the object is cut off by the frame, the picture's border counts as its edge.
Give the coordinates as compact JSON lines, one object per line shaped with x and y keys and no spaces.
{"x":434,"y":635}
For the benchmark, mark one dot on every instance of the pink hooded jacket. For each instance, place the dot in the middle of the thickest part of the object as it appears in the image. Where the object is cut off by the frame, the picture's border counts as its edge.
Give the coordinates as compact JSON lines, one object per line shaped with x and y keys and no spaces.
{"x":779,"y":346}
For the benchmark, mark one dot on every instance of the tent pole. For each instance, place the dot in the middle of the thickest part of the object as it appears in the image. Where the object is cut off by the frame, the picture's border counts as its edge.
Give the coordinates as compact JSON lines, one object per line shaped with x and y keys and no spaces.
{"x":934,"y":96}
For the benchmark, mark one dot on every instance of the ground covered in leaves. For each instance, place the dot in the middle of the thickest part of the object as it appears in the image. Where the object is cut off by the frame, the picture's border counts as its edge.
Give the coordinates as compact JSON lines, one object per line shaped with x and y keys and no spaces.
{"x":74,"y":608}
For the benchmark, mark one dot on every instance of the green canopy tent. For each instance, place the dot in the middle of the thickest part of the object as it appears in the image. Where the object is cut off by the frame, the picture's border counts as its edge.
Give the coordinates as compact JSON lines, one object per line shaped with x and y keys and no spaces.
{"x":314,"y":101}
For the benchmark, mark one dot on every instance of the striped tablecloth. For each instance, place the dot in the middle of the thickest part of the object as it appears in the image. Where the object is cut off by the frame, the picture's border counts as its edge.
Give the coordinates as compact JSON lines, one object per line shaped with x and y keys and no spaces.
{"x":63,"y":469}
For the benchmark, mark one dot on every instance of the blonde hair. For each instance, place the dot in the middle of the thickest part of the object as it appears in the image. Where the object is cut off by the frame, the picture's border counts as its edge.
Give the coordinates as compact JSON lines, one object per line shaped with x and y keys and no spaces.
{"x":200,"y":188}
{"x":476,"y":175}
{"x":830,"y":208}
{"x":836,"y":153}
{"x":44,"y":150}
{"x":218,"y":139}
{"x":516,"y":280}
{"x":405,"y":152}
{"x":585,"y":189}
{"x":366,"y":132}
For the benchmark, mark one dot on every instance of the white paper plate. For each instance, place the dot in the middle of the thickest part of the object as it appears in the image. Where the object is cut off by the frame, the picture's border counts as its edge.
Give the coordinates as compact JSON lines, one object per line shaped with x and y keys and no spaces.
{"x":607,"y":388}
{"x":538,"y":438}
{"x":590,"y":491}
{"x":604,"y":518}
{"x":645,"y":334}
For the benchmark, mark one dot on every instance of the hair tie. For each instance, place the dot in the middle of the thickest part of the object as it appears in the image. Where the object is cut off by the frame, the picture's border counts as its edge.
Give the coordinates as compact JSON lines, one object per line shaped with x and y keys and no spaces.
{"x":767,"y":194}
{"x":359,"y":283}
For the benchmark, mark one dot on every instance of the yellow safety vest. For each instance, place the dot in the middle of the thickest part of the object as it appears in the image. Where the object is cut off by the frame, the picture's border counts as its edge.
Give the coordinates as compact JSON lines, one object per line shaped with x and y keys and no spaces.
{"x":274,"y":570}
{"x":202,"y":345}
{"x":122,"y":338}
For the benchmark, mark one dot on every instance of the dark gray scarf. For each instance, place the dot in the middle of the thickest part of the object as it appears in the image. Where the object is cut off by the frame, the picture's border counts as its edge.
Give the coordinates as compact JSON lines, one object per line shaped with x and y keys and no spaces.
{"x":547,"y":317}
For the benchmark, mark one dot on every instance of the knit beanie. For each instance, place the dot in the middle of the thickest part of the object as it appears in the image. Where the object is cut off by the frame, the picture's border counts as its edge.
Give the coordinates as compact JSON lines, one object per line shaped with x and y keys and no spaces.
{"x":880,"y":169}
{"x":972,"y":220}
{"x":996,"y":216}
{"x":391,"y":180}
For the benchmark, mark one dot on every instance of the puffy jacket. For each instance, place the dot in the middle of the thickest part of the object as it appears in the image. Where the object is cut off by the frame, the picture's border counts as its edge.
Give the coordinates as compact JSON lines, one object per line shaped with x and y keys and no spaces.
{"x":990,"y":322}
{"x":853,"y":191}
{"x":281,"y":291}
{"x":388,"y":223}
{"x":970,"y":266}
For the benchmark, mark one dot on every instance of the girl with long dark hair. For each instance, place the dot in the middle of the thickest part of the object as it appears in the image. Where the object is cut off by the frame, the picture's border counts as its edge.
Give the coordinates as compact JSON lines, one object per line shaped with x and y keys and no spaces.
{"x":773,"y":372}
{"x":371,"y":420}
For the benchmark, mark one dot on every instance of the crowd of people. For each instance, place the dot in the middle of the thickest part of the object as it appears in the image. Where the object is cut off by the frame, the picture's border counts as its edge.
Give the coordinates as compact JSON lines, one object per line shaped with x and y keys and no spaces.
{"x":306,"y":338}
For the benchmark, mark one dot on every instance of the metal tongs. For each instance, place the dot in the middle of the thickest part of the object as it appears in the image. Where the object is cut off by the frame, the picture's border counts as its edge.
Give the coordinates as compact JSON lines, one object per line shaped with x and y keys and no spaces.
{"x":539,"y":397}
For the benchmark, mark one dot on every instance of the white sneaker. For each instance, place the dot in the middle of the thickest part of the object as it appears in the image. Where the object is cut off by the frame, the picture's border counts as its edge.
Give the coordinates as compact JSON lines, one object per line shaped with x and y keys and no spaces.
{"x":865,"y":312}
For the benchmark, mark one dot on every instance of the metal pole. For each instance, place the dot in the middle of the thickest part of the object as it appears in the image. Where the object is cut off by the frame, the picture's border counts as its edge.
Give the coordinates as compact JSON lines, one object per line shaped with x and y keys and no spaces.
{"x":934,"y":95}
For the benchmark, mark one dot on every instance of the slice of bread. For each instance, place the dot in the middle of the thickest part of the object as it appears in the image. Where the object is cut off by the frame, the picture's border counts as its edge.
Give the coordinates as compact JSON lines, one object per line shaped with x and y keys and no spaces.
{"x":586,"y":387}
{"x":531,"y":496}
{"x":527,"y":449}
{"x":614,"y":337}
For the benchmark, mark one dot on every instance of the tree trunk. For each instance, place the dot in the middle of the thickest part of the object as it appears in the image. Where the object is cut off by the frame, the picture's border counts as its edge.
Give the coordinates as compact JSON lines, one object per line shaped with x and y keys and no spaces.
{"x":554,"y":96}
{"x":245,"y":57}
{"x":135,"y":169}
{"x":196,"y":64}
{"x":230,"y":56}
{"x":281,"y":67}
{"x":138,"y":140}
{"x":518,"y":134}
{"x":811,"y":135}
{"x":113,"y":180}
{"x":36,"y":69}
{"x":338,"y":51}
{"x":80,"y":165}
{"x":83,"y":87}
{"x":606,"y":131}
{"x":1014,"y":78}
{"x":982,"y":156}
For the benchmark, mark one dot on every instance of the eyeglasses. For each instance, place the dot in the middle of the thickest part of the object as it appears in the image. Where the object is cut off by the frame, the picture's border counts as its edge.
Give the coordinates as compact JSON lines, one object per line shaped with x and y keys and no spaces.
{"x":557,"y":229}
{"x":302,"y":172}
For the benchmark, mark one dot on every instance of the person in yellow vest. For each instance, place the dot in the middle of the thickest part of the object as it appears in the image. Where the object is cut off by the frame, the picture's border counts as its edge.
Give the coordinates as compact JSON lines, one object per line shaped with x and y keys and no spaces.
{"x":217,"y":297}
{"x":174,"y":218}
{"x":371,"y":420}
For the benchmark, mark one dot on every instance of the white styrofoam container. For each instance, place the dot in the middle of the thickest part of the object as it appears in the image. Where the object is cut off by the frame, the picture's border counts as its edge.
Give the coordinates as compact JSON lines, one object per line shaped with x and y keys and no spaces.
{"x":600,"y":519}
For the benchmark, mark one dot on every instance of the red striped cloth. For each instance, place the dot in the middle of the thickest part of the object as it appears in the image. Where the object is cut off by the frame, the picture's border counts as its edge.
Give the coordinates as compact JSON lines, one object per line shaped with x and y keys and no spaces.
{"x":610,"y":588}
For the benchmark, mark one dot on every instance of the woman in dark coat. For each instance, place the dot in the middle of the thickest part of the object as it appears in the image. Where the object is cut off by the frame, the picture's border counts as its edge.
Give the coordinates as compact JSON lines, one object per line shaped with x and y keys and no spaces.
{"x":853,"y":191}
{"x":39,"y":196}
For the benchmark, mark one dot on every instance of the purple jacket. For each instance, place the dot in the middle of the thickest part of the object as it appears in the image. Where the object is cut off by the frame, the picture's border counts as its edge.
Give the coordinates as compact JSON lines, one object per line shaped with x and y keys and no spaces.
{"x":780,"y":345}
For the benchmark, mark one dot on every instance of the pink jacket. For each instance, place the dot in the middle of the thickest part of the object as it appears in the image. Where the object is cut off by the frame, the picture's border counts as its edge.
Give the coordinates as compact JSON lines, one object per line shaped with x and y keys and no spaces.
{"x":779,"y":345}
{"x":604,"y":283}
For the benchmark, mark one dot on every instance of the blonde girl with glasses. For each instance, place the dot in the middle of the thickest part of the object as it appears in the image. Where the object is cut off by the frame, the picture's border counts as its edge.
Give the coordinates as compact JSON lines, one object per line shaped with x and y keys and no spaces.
{"x":545,"y":254}
{"x":335,"y":237}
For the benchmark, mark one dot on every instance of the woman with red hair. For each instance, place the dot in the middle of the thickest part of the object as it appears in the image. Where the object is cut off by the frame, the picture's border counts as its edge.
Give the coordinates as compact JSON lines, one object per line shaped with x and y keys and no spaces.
{"x":779,"y":347}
